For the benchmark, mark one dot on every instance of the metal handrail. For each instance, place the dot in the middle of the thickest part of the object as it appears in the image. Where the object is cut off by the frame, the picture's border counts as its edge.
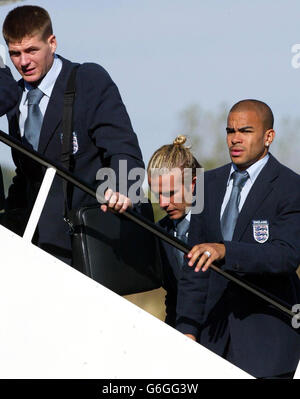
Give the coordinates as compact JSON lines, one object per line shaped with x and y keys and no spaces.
{"x":138,"y":219}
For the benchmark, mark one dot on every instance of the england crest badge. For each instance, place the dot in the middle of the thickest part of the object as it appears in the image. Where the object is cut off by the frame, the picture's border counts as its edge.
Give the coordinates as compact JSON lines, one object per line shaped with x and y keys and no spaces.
{"x":260,"y":230}
{"x":74,"y":142}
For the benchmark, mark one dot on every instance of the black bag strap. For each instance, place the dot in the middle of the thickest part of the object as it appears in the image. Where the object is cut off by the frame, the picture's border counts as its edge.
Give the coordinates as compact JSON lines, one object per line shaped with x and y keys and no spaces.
{"x":67,"y":137}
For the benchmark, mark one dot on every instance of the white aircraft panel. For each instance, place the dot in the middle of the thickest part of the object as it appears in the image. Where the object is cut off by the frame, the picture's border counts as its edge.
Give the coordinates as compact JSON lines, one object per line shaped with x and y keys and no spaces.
{"x":58,"y":323}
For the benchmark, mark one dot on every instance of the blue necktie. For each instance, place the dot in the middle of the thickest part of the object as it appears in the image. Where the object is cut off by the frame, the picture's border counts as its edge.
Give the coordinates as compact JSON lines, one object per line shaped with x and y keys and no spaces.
{"x":33,"y":123}
{"x":231,"y":212}
{"x":181,"y":229}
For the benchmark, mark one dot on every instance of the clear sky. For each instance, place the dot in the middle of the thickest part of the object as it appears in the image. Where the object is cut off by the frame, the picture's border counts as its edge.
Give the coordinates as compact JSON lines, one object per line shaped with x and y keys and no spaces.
{"x":167,"y":54}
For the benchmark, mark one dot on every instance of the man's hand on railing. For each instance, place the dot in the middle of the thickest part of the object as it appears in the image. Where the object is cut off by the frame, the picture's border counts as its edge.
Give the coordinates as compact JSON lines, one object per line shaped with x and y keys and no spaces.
{"x":192,"y":337}
{"x":116,"y":201}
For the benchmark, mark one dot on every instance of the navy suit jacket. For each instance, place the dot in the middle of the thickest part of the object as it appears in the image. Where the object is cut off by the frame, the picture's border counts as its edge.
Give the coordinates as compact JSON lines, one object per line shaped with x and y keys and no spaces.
{"x":104,"y":136}
{"x":8,"y":91}
{"x":263,"y":341}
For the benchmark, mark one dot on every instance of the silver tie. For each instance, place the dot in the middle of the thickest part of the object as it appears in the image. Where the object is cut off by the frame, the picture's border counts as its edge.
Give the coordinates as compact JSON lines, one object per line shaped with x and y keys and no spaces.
{"x":33,"y":123}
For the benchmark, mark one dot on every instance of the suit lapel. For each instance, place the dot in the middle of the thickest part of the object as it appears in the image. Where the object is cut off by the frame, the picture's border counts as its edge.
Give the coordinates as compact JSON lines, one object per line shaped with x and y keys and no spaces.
{"x":259,"y":191}
{"x":54,"y":111}
{"x":216,"y":196}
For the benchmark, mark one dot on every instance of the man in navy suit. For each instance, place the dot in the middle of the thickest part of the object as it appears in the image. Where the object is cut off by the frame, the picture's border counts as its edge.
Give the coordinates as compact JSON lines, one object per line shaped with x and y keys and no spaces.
{"x":250,"y":226}
{"x":102,"y":135}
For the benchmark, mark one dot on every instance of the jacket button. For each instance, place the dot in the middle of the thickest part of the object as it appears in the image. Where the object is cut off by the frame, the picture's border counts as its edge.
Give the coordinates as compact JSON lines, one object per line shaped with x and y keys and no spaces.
{"x":236,"y":267}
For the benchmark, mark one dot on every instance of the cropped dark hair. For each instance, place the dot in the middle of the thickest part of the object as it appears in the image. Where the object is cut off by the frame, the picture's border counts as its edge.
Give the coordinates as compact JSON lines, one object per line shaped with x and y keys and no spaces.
{"x":26,"y":21}
{"x":263,"y":110}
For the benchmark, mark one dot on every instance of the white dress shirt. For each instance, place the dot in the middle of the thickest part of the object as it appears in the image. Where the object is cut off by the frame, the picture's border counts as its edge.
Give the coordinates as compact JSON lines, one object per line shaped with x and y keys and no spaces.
{"x":46,"y":86}
{"x":253,"y":171}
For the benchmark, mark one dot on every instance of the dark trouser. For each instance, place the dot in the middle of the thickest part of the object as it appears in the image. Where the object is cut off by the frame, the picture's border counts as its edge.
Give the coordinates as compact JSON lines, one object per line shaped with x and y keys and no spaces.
{"x":229,"y":356}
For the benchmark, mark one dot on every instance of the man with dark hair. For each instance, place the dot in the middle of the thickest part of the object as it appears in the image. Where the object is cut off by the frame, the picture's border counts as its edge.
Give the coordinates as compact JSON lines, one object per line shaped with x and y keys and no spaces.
{"x":102,"y":134}
{"x":250,"y":226}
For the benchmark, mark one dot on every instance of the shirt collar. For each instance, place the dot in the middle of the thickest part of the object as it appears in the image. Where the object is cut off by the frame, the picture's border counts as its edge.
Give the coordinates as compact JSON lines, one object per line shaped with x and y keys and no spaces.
{"x":188,"y":216}
{"x":253,"y":170}
{"x":48,"y":82}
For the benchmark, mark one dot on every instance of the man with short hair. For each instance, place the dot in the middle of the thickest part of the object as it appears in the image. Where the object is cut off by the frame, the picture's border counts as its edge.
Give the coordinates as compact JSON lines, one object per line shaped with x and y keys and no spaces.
{"x":102,"y":135}
{"x":250,"y":226}
{"x":172,"y":174}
